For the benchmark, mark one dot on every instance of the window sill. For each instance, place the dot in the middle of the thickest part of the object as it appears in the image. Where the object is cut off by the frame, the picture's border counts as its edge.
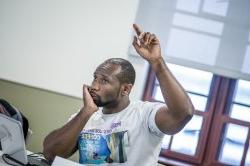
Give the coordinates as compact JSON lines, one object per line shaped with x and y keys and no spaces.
{"x":172,"y":162}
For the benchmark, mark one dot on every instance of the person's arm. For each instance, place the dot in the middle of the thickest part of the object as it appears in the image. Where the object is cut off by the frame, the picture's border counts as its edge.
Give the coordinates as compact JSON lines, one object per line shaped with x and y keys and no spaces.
{"x":179,"y":109}
{"x":63,"y":141}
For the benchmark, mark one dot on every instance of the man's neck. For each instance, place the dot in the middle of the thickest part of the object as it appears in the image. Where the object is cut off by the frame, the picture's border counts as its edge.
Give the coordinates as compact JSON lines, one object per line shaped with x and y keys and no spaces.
{"x":116,"y":108}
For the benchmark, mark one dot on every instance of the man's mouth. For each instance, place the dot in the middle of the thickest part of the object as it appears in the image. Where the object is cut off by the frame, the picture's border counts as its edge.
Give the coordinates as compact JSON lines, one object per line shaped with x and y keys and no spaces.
{"x":93,"y":95}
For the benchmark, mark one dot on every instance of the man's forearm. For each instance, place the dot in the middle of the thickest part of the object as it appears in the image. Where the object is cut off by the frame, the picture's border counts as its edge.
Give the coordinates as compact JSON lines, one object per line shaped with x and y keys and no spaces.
{"x":62,"y":142}
{"x":174,"y":95}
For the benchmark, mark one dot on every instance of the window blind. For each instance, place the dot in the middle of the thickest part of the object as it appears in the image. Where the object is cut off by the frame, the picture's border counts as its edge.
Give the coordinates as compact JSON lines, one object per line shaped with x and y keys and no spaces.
{"x":211,"y":35}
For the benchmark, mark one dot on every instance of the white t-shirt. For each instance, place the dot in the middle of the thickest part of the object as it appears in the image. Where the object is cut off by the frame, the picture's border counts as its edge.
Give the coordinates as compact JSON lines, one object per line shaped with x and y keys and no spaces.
{"x":127,"y":138}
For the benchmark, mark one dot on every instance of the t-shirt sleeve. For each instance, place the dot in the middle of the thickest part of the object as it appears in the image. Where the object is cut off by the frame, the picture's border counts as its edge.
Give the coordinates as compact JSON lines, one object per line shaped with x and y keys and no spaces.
{"x":149,"y":110}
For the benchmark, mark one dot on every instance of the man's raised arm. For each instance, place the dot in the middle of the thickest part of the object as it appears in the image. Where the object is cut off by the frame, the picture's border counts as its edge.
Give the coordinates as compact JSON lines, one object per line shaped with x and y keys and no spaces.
{"x":179,"y":109}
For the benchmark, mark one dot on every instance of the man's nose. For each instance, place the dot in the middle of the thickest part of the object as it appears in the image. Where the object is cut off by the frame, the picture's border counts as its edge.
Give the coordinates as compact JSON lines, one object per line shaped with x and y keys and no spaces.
{"x":95,"y":86}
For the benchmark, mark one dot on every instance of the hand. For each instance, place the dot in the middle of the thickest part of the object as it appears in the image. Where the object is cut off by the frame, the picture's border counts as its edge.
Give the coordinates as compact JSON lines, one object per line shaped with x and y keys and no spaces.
{"x":88,"y":102}
{"x":147,"y":45}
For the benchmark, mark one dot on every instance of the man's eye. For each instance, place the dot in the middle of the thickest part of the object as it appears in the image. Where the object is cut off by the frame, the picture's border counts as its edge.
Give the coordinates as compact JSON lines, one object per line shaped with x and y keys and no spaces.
{"x":104,"y":81}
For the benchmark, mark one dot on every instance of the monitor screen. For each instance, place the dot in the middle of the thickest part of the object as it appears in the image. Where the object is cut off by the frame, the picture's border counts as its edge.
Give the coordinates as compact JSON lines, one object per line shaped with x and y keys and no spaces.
{"x":11,"y":138}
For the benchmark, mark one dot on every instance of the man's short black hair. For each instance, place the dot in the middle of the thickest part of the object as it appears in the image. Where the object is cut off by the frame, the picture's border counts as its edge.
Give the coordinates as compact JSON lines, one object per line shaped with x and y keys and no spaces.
{"x":127,"y":73}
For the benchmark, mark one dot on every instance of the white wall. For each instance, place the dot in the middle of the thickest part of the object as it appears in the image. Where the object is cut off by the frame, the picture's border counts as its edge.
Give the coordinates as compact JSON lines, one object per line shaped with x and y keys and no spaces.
{"x":57,"y":44}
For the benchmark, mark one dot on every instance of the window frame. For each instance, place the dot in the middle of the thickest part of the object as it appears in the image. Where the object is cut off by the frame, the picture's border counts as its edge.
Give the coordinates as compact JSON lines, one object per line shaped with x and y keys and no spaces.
{"x":214,"y":117}
{"x":221,"y":119}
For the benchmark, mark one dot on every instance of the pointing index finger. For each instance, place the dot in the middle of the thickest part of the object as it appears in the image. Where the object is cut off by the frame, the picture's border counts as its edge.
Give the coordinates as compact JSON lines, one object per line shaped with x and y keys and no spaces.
{"x":137,"y":29}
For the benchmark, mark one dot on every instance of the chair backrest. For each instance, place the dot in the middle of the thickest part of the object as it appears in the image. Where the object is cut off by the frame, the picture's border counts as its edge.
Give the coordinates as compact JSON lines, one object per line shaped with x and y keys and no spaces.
{"x":17,"y":115}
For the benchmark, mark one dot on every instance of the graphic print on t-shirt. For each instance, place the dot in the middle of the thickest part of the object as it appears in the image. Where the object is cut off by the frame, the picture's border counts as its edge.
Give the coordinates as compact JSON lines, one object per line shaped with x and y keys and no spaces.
{"x":98,"y":146}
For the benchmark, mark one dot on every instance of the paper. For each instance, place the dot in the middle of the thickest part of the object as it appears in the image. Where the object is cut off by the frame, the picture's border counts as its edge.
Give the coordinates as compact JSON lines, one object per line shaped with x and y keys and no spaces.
{"x":59,"y":161}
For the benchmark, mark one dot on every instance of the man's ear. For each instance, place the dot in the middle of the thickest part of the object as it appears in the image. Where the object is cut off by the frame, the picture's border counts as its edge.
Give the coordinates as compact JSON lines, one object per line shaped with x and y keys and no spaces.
{"x":126,"y":89}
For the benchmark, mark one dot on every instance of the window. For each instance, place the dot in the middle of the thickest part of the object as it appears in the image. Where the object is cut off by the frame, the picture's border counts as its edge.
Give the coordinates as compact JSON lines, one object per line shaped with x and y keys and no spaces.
{"x":235,"y":122}
{"x":219,"y":131}
{"x":200,"y":34}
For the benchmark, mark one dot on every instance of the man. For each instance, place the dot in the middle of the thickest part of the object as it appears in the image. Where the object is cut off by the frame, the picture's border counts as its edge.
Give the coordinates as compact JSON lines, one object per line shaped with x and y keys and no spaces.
{"x":123,"y":131}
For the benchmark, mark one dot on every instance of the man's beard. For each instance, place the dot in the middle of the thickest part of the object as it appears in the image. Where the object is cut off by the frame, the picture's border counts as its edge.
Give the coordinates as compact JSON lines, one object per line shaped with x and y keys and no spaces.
{"x":110,"y":103}
{"x":100,"y":103}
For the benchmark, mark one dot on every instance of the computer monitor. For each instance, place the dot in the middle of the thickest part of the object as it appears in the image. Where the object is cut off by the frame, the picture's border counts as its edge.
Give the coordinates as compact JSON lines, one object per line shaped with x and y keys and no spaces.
{"x":11,"y":138}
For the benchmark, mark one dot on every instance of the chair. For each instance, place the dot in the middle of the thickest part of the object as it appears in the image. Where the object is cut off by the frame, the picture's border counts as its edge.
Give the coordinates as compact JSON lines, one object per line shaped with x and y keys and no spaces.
{"x":17,"y":115}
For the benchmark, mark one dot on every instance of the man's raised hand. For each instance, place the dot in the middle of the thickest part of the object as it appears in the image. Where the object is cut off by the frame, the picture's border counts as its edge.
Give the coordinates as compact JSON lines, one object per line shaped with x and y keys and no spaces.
{"x":146,"y":45}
